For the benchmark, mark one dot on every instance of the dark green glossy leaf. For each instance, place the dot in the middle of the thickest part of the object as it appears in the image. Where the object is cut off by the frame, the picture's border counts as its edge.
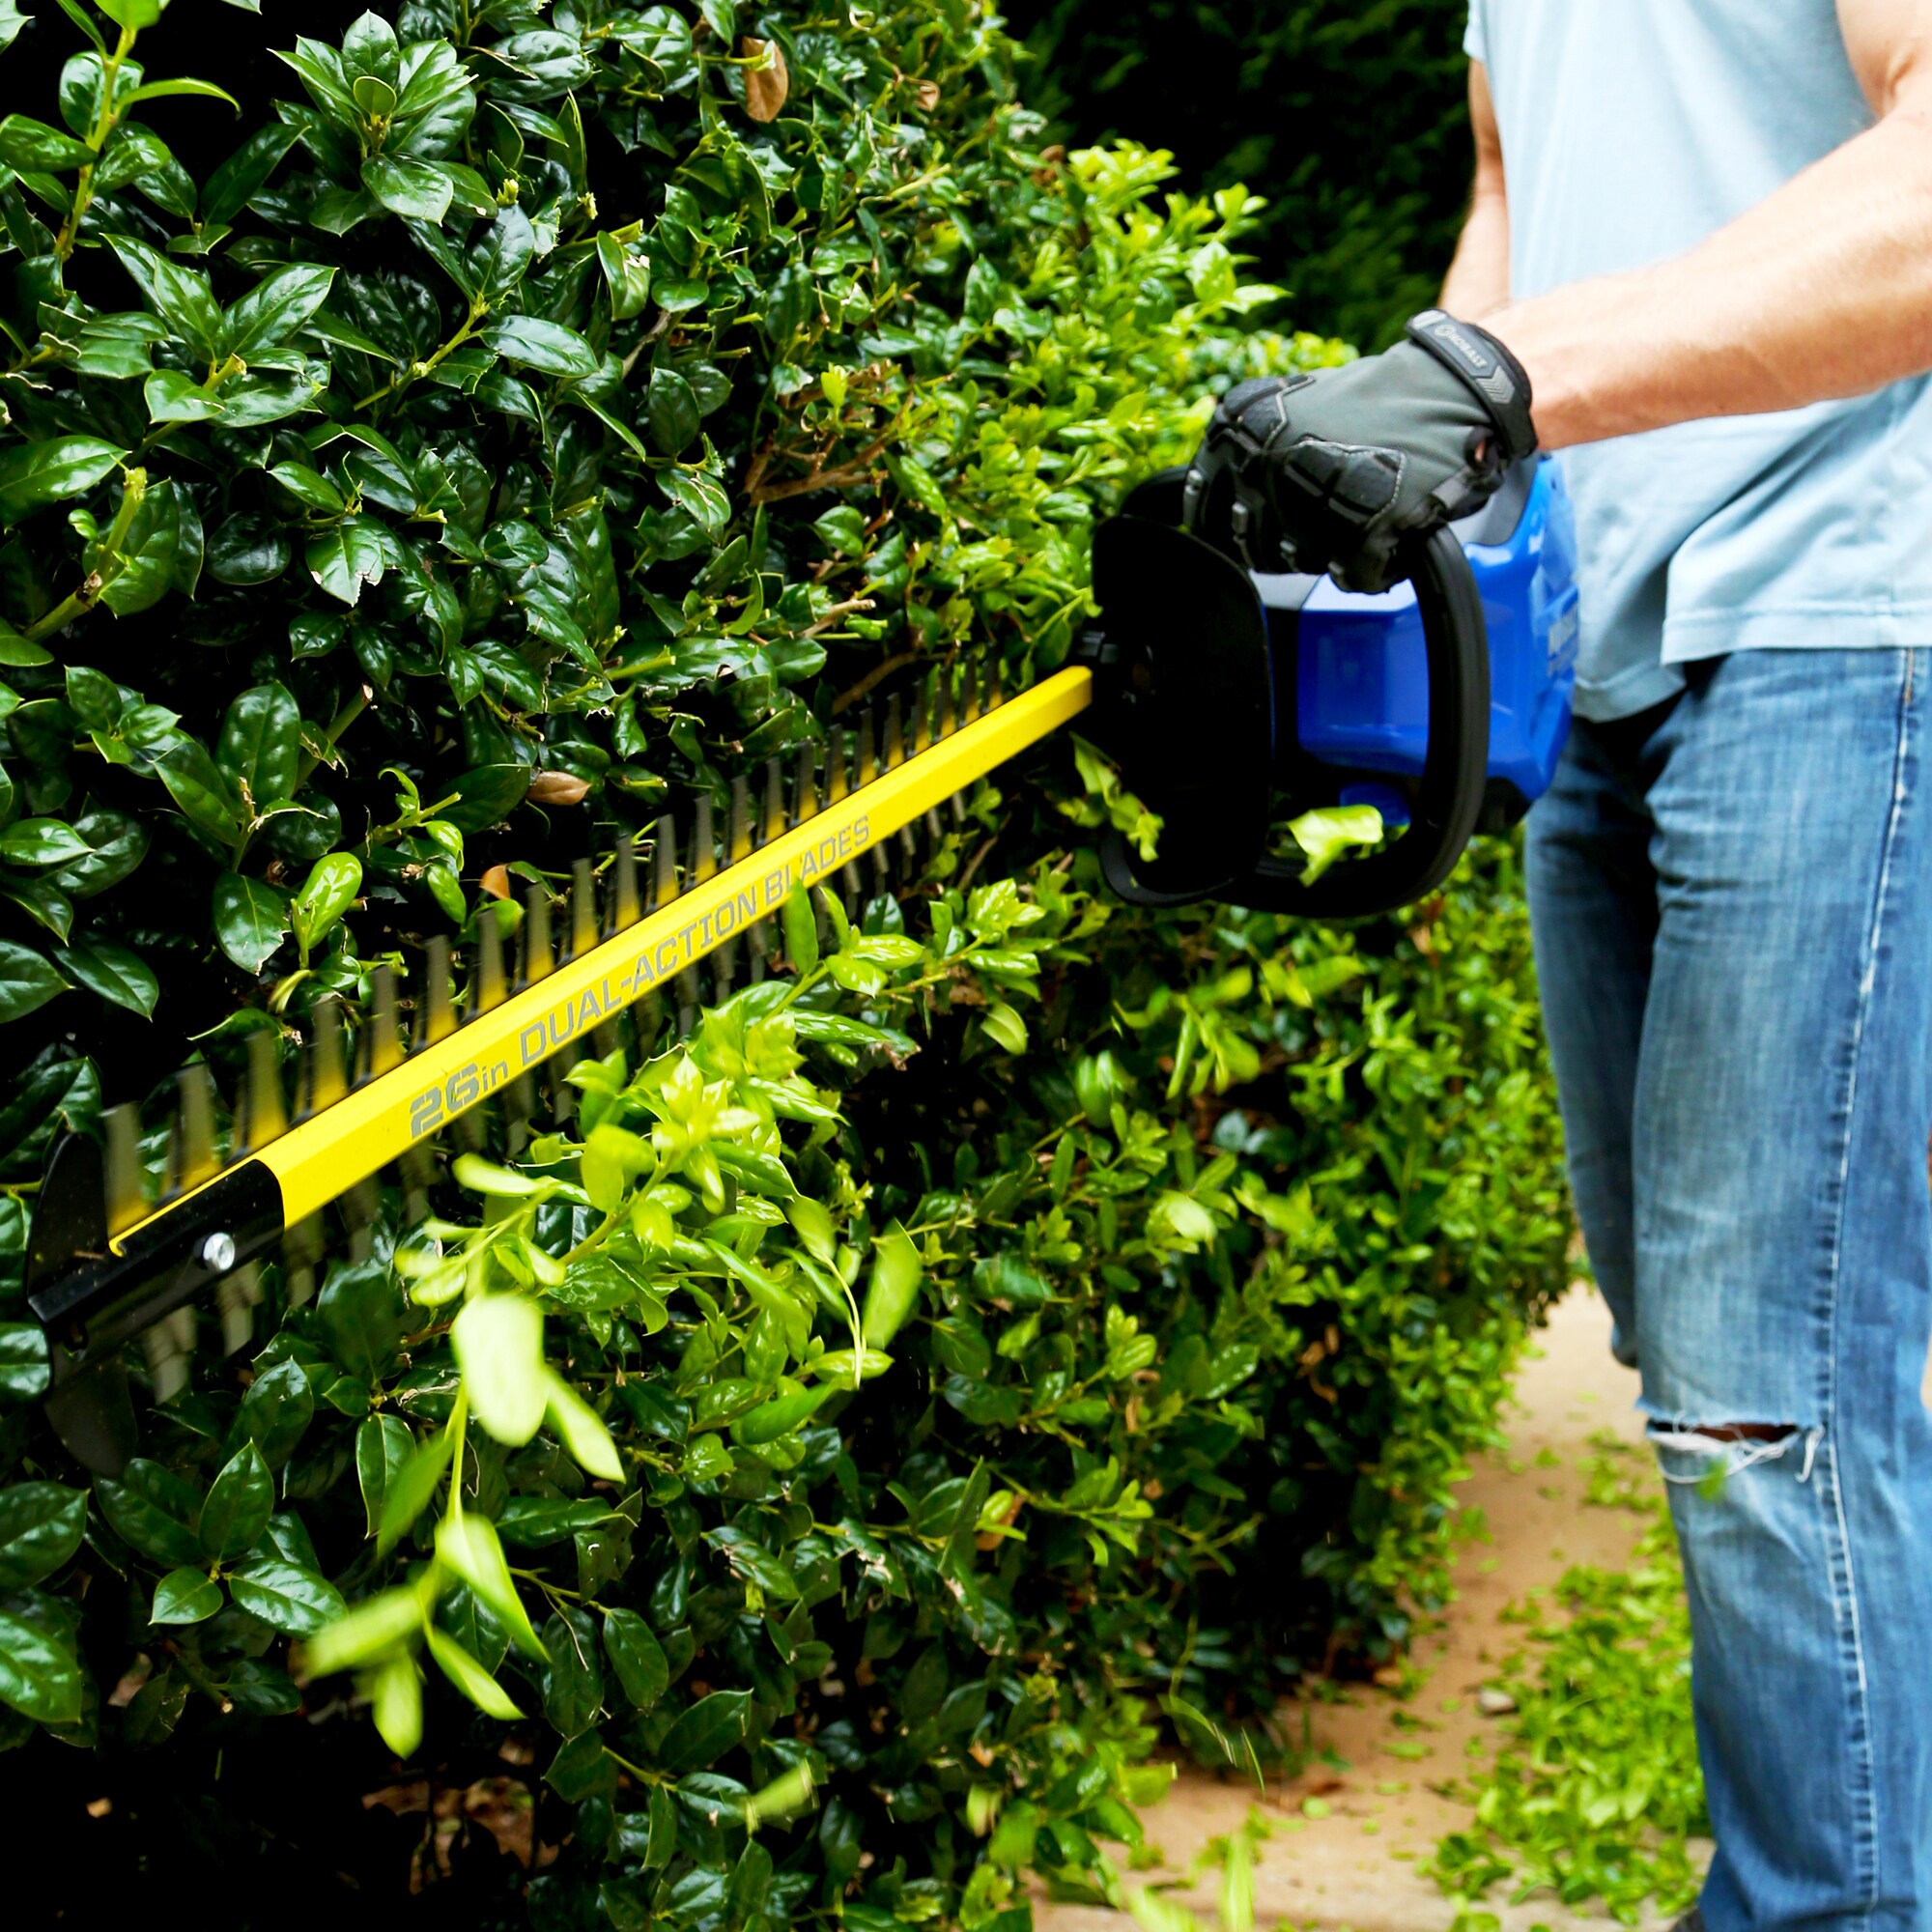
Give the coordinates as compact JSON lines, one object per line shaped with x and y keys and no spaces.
{"x":637,"y":1656}
{"x":199,"y":787}
{"x":27,"y":981}
{"x":248,"y":550}
{"x":153,"y":1510}
{"x":547,"y":347}
{"x":184,"y":1596}
{"x":288,"y":1596}
{"x":117,"y":973}
{"x":260,"y":742}
{"x":180,"y":297}
{"x":275,"y":308}
{"x":40,"y":1525}
{"x":572,"y":1680}
{"x":238,"y":1506}
{"x":23,"y":1361}
{"x":703,"y":1734}
{"x":275,"y":1411}
{"x":37,"y":1676}
{"x":250,"y":920}
{"x":416,"y":188}
{"x":31,"y":147}
{"x":48,"y":471}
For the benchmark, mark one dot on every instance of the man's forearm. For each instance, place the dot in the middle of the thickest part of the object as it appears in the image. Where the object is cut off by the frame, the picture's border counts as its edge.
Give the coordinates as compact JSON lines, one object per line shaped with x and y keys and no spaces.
{"x":1823,"y":289}
{"x":1478,"y":281}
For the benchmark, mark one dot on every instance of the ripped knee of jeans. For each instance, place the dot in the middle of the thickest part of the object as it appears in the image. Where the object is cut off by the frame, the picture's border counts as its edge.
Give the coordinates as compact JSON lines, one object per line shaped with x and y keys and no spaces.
{"x":1725,"y":1449}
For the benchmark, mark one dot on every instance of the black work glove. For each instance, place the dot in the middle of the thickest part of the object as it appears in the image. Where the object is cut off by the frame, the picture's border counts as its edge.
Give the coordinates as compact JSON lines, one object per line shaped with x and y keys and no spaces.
{"x":1332,"y":469}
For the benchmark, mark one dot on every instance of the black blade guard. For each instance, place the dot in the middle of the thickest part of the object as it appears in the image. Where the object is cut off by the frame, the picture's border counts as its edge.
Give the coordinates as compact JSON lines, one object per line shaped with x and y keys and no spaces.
{"x":1185,"y":704}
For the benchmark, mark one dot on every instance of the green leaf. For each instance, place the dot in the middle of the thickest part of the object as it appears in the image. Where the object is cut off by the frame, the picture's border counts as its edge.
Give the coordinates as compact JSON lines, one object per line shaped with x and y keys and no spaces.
{"x":27,"y":982}
{"x":326,"y":895}
{"x":1330,"y":831}
{"x":277,"y":1411}
{"x":702,"y":497}
{"x":1005,"y":1026}
{"x":173,"y":397}
{"x":181,"y":298}
{"x":486,"y":795}
{"x":24,"y":1371}
{"x":469,"y":1676}
{"x":383,"y":1446}
{"x":167,"y":90}
{"x":573,"y":1678}
{"x":16,"y":652}
{"x":261,"y":742}
{"x":548,"y":347}
{"x":581,"y":1430}
{"x":238,"y":1504}
{"x":416,"y":188}
{"x":237,"y":182}
{"x":344,"y":559}
{"x":468,"y":1546}
{"x":40,"y":842}
{"x":801,"y":931}
{"x":275,"y":308}
{"x":360,"y":1634}
{"x":116,"y":846}
{"x":184,"y":1596}
{"x":637,"y":1656}
{"x":406,"y":1490}
{"x":313,"y":490}
{"x":288,"y":1596}
{"x":893,"y":1287}
{"x":248,"y":550}
{"x":499,"y":1344}
{"x":153,"y":1510}
{"x":40,"y":1525}
{"x":11,"y":20}
{"x":119,"y":974}
{"x":37,"y":1676}
{"x":196,"y":783}
{"x":627,"y":274}
{"x":670,"y":409}
{"x":31,"y":147}
{"x":701,"y":1735}
{"x":48,"y":471}
{"x":395,"y":1703}
{"x":250,"y":918}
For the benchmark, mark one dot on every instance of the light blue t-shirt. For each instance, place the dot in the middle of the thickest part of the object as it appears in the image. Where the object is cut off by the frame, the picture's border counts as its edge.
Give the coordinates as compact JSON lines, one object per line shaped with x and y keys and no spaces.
{"x":1631,"y":129}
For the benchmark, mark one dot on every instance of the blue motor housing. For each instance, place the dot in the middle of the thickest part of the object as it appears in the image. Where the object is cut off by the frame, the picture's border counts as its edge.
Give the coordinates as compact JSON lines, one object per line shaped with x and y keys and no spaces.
{"x":1357,"y":664}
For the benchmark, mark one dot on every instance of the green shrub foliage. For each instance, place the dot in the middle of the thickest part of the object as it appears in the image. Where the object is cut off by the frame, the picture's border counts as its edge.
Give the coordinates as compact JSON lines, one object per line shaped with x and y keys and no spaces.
{"x":1353,"y":121}
{"x":794,"y":1487}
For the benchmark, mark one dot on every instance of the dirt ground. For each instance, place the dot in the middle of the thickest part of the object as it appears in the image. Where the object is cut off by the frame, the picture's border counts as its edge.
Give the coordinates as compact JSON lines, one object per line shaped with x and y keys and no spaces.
{"x":1356,"y":1869}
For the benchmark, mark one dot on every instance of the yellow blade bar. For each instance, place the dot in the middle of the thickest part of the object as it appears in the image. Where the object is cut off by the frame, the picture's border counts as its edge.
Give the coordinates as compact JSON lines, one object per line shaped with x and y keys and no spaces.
{"x":328,"y":1154}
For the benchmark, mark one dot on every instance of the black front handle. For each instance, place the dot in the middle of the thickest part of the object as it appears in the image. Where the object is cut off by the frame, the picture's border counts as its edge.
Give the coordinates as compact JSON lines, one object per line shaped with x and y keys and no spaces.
{"x":1449,"y":795}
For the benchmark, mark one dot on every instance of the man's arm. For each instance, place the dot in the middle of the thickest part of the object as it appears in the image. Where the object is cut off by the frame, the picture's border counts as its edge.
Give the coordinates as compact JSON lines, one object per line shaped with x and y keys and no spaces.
{"x":1823,"y":290}
{"x":1478,"y":282}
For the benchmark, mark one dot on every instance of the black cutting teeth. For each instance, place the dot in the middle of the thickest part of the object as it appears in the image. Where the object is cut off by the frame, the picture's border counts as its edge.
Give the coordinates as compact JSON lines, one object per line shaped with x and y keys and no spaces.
{"x":345,"y":1048}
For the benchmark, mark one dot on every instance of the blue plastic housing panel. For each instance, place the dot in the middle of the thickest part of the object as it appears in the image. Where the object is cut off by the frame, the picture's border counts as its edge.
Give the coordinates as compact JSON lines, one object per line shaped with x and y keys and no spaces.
{"x":1360,"y":667}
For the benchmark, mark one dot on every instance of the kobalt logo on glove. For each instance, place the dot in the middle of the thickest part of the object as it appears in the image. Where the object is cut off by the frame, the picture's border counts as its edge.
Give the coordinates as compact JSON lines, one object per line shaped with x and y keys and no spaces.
{"x":1332,"y":469}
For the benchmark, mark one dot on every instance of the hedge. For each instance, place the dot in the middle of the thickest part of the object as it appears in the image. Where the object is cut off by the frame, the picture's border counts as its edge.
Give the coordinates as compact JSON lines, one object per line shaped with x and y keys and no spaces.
{"x":798,"y":1483}
{"x":1351,"y":119}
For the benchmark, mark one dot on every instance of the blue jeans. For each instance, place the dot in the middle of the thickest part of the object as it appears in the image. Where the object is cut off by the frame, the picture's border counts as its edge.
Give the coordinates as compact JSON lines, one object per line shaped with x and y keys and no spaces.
{"x":1732,"y":908}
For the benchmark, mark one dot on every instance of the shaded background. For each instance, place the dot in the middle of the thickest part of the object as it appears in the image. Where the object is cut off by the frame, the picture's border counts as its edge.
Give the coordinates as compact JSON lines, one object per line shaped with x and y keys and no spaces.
{"x":1349,"y":117}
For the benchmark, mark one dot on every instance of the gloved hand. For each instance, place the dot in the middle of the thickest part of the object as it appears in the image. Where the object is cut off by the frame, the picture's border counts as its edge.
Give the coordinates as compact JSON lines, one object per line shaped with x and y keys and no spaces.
{"x":1329,"y":470}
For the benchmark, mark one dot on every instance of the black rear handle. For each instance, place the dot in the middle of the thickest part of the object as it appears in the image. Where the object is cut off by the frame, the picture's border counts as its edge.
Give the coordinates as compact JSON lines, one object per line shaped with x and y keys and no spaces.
{"x":1449,"y":795}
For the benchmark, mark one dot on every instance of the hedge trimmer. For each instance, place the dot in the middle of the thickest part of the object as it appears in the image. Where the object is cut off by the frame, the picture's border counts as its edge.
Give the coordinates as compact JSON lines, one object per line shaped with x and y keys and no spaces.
{"x":1229,"y":700}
